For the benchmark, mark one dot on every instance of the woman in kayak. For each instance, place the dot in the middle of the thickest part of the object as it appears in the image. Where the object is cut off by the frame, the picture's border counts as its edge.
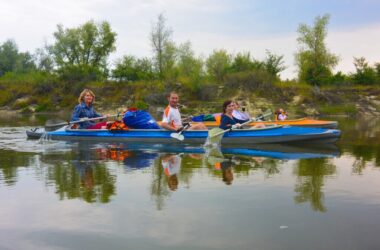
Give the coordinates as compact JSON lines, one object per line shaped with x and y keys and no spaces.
{"x":227,"y":120}
{"x":85,"y":109}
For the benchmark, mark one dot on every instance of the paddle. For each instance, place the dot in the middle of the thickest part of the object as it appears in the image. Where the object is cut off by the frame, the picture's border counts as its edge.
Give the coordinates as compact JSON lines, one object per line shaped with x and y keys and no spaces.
{"x":215,"y":135}
{"x":49,"y":126}
{"x":179,"y":135}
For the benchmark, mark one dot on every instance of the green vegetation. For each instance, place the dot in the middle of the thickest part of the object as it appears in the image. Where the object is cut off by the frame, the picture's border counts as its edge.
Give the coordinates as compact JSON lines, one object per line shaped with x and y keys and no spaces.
{"x":52,"y":77}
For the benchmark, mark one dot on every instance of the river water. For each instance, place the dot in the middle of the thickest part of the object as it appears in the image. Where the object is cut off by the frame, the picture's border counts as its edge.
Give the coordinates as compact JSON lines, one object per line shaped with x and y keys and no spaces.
{"x":61,"y":195}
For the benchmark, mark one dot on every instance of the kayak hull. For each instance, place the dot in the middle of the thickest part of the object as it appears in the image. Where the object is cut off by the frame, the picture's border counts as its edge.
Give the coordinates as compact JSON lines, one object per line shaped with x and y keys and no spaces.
{"x":274,"y":134}
{"x":303,"y":122}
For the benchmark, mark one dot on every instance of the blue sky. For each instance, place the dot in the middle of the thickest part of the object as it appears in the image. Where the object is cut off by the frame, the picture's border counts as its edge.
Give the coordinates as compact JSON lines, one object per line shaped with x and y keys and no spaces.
{"x":234,"y":25}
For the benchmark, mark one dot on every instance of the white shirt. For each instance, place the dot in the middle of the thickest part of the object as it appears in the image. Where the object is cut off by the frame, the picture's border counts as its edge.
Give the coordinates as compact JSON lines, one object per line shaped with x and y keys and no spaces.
{"x":172,"y":165}
{"x":282,"y":117}
{"x":240,"y":115}
{"x":172,"y":117}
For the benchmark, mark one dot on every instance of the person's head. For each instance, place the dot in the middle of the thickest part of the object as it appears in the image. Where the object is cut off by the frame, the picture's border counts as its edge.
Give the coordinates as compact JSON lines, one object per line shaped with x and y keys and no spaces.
{"x":173,"y":99}
{"x":227,"y":175}
{"x":237,"y":106}
{"x":228,"y":106}
{"x":280,"y":111}
{"x":173,"y":182}
{"x":87,"y":96}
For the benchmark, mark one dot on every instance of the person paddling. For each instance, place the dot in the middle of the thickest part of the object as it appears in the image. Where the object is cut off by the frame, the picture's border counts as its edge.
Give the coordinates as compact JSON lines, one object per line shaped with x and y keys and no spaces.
{"x":171,"y":119}
{"x":85,"y":109}
{"x":228,"y":121}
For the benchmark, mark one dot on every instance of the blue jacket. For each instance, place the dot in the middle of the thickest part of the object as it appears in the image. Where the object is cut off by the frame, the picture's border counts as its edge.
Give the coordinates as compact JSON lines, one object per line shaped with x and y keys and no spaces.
{"x":226,"y":122}
{"x":83,"y":111}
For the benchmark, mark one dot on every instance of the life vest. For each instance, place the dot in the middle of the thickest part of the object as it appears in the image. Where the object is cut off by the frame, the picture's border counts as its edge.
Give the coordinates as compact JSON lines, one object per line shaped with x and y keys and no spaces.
{"x":117,"y":126}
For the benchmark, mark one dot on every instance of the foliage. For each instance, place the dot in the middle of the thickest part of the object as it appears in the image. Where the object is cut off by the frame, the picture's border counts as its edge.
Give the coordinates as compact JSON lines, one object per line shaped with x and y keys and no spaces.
{"x":274,"y":64}
{"x":314,"y":61}
{"x":243,"y":62}
{"x":83,"y":50}
{"x":364,"y":73}
{"x":254,"y":81}
{"x":217,"y":64}
{"x":188,"y":65}
{"x":11,"y":60}
{"x":129,"y":68}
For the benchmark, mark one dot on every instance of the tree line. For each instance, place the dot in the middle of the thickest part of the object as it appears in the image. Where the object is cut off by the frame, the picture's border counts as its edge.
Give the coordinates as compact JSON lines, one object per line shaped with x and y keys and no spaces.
{"x":82,"y":54}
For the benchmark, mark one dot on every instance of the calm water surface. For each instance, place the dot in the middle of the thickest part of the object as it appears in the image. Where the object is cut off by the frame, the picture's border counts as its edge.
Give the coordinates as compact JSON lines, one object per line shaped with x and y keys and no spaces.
{"x":60,"y":195}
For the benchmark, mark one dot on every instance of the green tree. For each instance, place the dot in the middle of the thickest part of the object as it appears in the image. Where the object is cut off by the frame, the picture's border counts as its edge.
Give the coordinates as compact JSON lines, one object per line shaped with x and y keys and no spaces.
{"x":130,"y":68}
{"x":218,"y":64}
{"x":11,"y":60}
{"x":244,"y":62}
{"x":44,"y":60}
{"x":274,"y":64}
{"x":83,"y":51}
{"x":188,"y":65}
{"x":314,"y":61}
{"x":364,"y":73}
{"x":162,"y":45}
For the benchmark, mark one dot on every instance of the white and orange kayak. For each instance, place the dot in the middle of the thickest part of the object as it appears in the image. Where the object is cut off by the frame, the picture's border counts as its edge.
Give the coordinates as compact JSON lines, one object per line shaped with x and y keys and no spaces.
{"x":303,"y":122}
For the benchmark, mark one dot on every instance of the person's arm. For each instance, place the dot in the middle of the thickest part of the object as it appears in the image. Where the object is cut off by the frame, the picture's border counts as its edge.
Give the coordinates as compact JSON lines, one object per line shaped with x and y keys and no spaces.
{"x":166,"y":122}
{"x":76,"y":113}
{"x":225,"y":122}
{"x":167,"y":126}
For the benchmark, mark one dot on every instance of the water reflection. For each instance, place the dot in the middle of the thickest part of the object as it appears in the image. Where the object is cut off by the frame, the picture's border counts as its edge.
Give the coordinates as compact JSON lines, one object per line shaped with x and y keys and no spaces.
{"x":311,"y":174}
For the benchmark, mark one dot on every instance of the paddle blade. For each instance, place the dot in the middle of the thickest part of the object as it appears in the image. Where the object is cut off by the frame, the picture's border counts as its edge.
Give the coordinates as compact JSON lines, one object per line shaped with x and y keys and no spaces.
{"x":177,"y":136}
{"x":52,"y":125}
{"x":215,"y":136}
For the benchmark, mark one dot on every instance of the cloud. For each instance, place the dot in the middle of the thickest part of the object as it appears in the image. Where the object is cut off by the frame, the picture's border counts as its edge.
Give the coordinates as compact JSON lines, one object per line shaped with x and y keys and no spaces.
{"x":208,"y":25}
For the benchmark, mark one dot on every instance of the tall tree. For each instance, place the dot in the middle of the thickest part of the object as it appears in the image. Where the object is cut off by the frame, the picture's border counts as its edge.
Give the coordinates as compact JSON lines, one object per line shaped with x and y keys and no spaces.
{"x":188,"y":64}
{"x":218,"y":64}
{"x":364,"y":73}
{"x":11,"y":60}
{"x":84,"y":49}
{"x":162,"y":45}
{"x":274,"y":64}
{"x":242,"y":62}
{"x":314,"y":61}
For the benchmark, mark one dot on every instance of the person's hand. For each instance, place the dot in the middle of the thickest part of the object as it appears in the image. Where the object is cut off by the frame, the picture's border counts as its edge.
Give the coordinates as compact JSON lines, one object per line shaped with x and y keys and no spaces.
{"x":235,"y":126}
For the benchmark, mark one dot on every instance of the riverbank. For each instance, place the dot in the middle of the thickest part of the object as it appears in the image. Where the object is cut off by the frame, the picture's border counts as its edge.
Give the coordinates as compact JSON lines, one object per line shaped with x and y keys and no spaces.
{"x":113,"y":97}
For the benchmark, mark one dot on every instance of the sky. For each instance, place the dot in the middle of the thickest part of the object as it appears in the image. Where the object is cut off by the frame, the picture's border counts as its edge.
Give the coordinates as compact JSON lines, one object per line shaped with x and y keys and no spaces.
{"x":234,"y":25}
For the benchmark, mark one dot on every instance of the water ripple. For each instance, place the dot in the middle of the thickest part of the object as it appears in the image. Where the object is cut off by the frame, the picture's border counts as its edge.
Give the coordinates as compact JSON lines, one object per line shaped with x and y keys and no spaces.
{"x":14,"y":138}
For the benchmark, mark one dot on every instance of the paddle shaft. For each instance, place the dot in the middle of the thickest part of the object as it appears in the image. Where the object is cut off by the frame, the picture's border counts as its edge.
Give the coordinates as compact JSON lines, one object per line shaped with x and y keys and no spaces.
{"x":244,"y":123}
{"x":226,"y":130}
{"x":79,"y":121}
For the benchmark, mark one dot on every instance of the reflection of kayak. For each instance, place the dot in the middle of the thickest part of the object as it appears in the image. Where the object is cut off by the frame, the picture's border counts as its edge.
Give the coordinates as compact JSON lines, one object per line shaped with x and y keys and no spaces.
{"x":278,"y":151}
{"x":270,"y":134}
{"x":303,"y":122}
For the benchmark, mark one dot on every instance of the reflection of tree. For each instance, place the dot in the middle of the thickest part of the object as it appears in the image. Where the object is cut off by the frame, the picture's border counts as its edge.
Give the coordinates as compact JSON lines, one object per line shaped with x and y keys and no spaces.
{"x":364,"y":154}
{"x":91,"y":183}
{"x":361,"y":138}
{"x":310,"y":181}
{"x":9,"y":163}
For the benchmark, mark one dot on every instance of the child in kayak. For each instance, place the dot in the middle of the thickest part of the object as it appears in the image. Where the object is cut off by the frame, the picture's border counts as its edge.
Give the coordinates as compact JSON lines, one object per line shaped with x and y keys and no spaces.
{"x":281,"y":115}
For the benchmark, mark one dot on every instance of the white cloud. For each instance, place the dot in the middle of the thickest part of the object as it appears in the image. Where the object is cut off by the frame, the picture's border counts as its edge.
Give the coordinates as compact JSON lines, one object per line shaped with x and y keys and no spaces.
{"x":208,"y":25}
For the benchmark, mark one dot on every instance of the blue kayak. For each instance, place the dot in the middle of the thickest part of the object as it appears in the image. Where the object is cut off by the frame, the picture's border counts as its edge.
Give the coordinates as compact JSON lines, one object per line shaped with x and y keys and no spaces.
{"x":271,"y":134}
